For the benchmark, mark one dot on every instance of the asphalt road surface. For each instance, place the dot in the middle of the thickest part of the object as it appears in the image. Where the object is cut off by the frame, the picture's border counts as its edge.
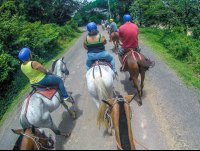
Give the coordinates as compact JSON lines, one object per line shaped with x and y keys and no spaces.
{"x":168,"y":119}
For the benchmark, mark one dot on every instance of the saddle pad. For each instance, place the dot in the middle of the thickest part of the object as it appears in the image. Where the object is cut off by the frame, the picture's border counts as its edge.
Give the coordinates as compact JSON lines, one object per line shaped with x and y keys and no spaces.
{"x":48,"y":93}
{"x":102,"y":63}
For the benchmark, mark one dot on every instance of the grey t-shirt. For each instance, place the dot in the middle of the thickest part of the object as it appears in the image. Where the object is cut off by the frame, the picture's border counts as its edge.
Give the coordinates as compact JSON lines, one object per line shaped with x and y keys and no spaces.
{"x":113,"y":27}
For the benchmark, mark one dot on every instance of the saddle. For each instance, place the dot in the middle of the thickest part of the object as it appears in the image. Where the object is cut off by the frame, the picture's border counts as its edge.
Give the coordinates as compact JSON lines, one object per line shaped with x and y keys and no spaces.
{"x":139,"y":57}
{"x":101,"y":62}
{"x":47,"y":92}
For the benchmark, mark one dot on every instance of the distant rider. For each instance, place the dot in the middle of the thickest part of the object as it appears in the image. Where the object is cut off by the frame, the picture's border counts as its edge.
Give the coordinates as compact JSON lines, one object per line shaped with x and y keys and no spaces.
{"x":113,"y":28}
{"x":128,"y":35}
{"x":95,"y":44}
{"x":37,"y":74}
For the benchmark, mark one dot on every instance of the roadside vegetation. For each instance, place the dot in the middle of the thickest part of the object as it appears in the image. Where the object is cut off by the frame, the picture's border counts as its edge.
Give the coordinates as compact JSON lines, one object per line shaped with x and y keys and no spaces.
{"x":45,"y":27}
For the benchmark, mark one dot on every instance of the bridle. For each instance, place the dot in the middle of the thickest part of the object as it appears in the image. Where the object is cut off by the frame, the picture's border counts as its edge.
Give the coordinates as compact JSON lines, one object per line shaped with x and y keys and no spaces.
{"x":107,"y":116}
{"x":64,"y":71}
{"x":108,"y":111}
{"x":36,"y":140}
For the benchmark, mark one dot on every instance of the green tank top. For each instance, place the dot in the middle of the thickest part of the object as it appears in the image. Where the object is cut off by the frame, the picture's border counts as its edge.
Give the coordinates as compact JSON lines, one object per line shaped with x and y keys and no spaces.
{"x":34,"y":76}
{"x":95,"y":47}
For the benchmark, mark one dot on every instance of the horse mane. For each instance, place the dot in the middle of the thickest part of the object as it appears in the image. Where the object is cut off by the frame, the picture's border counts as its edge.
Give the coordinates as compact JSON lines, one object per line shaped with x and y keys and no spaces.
{"x":123,"y":127}
{"x":103,"y":94}
{"x":54,"y":64}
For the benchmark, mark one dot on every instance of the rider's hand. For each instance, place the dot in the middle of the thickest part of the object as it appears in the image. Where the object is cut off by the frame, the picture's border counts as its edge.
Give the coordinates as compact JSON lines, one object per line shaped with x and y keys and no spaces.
{"x":47,"y":70}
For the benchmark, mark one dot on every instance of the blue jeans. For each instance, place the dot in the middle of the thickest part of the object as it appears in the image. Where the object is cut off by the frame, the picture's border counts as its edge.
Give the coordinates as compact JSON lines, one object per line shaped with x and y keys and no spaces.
{"x":51,"y":80}
{"x":101,"y":55}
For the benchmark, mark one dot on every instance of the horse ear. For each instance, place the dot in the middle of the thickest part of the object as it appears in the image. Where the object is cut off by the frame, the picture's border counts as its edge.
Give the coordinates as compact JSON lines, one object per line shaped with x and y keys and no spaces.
{"x":130,"y":98}
{"x":18,"y":131}
{"x":107,"y":104}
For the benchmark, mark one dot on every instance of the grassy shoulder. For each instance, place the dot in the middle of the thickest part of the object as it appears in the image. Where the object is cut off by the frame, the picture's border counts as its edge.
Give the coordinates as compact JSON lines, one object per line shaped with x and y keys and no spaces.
{"x":65,"y":45}
{"x":183,"y":69}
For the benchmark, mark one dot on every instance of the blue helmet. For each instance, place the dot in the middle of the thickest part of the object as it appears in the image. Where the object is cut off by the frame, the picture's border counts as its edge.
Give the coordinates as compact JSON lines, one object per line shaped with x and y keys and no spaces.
{"x":127,"y":17}
{"x":24,"y":54}
{"x":91,"y":26}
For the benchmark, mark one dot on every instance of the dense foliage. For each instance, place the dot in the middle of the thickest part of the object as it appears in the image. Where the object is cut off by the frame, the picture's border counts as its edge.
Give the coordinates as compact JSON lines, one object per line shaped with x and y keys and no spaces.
{"x":19,"y":29}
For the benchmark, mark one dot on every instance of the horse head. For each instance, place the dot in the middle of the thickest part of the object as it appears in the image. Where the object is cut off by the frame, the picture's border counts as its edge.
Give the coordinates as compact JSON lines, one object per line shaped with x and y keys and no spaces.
{"x":59,"y":68}
{"x":34,"y":139}
{"x":119,"y":115}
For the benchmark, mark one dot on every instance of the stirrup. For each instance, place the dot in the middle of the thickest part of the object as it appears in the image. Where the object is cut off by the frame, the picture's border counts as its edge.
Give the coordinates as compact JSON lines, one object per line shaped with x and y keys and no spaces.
{"x":122,"y":70}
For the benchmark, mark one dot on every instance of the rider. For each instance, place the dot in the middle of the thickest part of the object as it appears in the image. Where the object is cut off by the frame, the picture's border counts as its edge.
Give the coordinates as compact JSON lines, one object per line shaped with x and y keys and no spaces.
{"x":113,"y":28}
{"x":128,"y":35}
{"x":37,"y":74}
{"x":95,"y":44}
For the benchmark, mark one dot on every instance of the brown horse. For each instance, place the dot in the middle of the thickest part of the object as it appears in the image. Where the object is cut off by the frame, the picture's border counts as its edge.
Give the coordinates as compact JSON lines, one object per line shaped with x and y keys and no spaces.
{"x":33,"y":139}
{"x":115,"y":40}
{"x":119,"y":114}
{"x":135,"y":64}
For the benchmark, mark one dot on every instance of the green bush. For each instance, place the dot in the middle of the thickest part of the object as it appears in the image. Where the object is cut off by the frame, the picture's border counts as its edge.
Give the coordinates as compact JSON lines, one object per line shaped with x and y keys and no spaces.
{"x":16,"y":33}
{"x":184,"y":48}
{"x":196,"y":32}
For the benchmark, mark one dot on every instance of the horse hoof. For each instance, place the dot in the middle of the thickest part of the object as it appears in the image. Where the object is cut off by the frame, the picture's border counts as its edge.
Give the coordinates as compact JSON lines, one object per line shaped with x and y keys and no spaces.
{"x":140,"y":104}
{"x":73,"y":115}
{"x":67,"y":134}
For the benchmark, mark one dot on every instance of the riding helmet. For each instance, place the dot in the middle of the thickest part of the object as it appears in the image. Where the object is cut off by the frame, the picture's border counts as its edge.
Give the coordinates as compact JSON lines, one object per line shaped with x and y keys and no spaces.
{"x":111,"y":19}
{"x":24,"y":54}
{"x":91,"y":26}
{"x":127,"y":17}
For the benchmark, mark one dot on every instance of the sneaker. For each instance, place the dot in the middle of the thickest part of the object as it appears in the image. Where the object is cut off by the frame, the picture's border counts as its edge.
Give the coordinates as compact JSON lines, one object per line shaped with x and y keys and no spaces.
{"x":66,"y":98}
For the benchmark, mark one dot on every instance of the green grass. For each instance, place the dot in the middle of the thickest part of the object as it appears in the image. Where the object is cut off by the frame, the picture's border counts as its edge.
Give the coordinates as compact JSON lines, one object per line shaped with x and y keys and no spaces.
{"x":183,"y":70}
{"x":64,"y":45}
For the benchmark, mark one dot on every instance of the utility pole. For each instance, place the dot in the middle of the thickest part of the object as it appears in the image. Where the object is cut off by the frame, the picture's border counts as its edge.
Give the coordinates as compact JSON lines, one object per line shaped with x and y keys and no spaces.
{"x":109,"y":8}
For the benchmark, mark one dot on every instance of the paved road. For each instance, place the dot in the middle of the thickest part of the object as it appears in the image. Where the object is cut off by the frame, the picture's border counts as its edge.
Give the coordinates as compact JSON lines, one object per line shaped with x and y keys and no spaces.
{"x":169,"y":118}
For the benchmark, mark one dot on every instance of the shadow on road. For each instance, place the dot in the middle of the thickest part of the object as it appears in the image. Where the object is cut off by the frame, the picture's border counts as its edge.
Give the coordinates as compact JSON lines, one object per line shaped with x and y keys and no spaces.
{"x":130,"y":88}
{"x":68,"y":124}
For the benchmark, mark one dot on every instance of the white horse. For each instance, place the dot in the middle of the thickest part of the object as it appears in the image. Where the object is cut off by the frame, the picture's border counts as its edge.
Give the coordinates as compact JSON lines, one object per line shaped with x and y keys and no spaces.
{"x":39,"y":109}
{"x":100,"y":85}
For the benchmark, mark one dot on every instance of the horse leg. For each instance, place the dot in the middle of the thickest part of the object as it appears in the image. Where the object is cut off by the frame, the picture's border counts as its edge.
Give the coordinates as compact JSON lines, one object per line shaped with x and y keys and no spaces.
{"x":136,"y":84}
{"x":57,"y":132}
{"x":142,"y":79}
{"x":73,"y":114}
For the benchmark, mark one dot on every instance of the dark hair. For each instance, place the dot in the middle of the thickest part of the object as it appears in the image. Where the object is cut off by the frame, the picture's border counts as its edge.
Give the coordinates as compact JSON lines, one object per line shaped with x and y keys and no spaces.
{"x":93,"y":32}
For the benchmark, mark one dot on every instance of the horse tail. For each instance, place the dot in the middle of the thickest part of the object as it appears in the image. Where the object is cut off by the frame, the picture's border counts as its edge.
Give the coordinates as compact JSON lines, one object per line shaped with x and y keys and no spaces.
{"x":103,"y":94}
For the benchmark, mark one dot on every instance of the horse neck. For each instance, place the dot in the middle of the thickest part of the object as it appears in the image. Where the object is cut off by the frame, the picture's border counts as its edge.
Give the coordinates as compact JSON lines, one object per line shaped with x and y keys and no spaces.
{"x":57,"y":70}
{"x":122,"y":125}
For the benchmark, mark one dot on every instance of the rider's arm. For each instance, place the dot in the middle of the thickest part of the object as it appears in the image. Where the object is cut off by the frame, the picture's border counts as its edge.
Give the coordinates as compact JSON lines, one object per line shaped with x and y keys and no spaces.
{"x":103,"y":39}
{"x":119,"y":34}
{"x":85,"y":44}
{"x":37,"y":66}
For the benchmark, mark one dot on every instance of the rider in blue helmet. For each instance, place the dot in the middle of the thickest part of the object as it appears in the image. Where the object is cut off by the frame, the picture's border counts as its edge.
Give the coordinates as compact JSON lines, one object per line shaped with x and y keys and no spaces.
{"x":94,"y":43}
{"x":37,"y":74}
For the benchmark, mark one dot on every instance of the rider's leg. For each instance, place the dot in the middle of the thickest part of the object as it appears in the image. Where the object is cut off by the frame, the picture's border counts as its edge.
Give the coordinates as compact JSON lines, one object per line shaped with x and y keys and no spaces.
{"x":108,"y":57}
{"x":50,"y":80}
{"x":121,"y":52}
{"x":88,"y":61}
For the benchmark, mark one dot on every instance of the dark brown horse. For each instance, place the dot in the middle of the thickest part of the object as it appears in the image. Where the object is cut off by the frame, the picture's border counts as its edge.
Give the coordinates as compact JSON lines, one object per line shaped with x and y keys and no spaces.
{"x":136,"y":63}
{"x":120,"y":117}
{"x":33,"y":139}
{"x":115,"y":40}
